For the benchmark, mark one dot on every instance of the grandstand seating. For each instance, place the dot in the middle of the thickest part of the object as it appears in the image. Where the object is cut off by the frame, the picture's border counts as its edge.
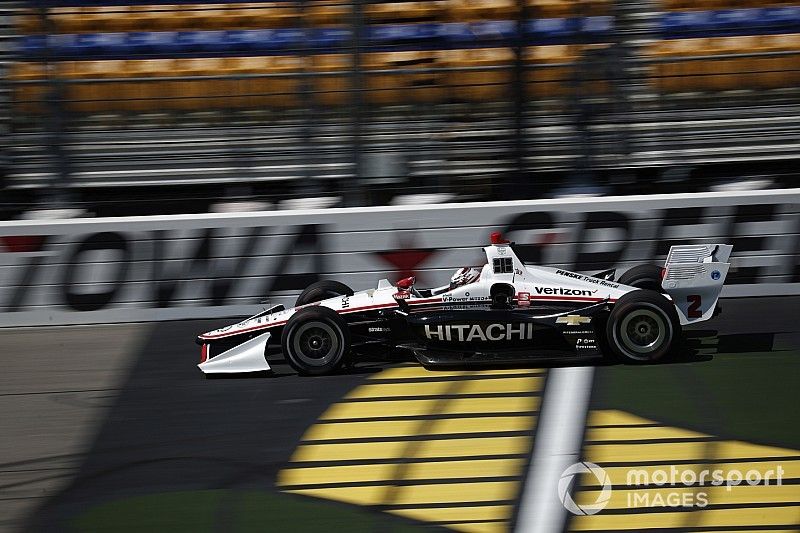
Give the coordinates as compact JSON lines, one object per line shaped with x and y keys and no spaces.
{"x":160,"y":17}
{"x":472,"y":11}
{"x":28,"y":96}
{"x":728,"y":63}
{"x":780,"y":70}
{"x":402,"y":77}
{"x":331,"y":85}
{"x":378,"y":37}
{"x":683,"y":5}
{"x":470,"y":75}
{"x":262,"y":15}
{"x":98,"y":97}
{"x":387,"y":12}
{"x":728,"y":22}
{"x":485,"y":74}
{"x":551,"y":71}
{"x":567,"y":8}
{"x":247,"y":55}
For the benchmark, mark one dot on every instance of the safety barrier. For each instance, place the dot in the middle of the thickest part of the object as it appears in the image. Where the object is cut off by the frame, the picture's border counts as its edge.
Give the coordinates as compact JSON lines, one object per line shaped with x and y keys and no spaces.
{"x":204,"y":266}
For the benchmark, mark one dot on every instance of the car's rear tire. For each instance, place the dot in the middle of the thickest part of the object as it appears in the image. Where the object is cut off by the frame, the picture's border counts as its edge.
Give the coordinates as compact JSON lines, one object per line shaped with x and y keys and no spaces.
{"x":322,"y":290}
{"x":315,"y":341}
{"x":643,"y":277}
{"x":643,"y":327}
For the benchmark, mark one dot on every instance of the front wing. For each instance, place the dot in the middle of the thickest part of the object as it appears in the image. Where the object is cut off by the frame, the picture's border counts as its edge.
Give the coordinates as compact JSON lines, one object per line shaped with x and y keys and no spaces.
{"x":246,"y":357}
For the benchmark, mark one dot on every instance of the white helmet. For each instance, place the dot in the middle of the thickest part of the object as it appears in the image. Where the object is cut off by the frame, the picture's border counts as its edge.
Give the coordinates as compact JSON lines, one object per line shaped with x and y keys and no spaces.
{"x":464,"y":276}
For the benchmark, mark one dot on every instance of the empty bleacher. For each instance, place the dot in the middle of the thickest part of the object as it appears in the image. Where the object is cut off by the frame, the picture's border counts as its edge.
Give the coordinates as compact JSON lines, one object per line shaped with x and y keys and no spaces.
{"x":447,"y":82}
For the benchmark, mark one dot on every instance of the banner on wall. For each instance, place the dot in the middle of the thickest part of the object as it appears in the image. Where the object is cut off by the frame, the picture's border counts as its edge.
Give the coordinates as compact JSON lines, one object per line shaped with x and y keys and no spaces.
{"x":207,"y":266}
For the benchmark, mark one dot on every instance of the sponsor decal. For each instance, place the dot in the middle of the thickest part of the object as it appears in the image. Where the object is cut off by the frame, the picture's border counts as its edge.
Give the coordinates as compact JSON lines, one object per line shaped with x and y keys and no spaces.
{"x":523,"y":299}
{"x":373,"y":329}
{"x":476,"y":332}
{"x":588,"y":279}
{"x":585,"y":344}
{"x":570,"y":274}
{"x":199,"y":268}
{"x":573,"y":320}
{"x":345,"y":302}
{"x":465,"y":298}
{"x":402,"y":295}
{"x":561,"y":291}
{"x":502,"y":250}
{"x":715,"y":275}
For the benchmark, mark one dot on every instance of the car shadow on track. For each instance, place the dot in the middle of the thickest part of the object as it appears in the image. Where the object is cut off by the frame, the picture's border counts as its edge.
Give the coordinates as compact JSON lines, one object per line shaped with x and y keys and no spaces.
{"x":699,"y":346}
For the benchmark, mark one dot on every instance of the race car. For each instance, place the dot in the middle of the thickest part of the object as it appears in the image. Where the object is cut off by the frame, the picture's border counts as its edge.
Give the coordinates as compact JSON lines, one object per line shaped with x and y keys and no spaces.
{"x":504,"y":312}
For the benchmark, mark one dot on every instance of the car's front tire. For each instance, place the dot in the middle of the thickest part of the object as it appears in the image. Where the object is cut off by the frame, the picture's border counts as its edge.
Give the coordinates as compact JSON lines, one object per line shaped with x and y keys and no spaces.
{"x":643,"y":327}
{"x":315,"y":341}
{"x":322,"y":290}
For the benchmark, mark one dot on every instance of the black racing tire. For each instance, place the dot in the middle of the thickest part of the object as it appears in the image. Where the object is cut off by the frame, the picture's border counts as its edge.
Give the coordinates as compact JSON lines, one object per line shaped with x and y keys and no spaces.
{"x":315,"y":341}
{"x":643,"y":327}
{"x":322,"y":290}
{"x":643,"y":277}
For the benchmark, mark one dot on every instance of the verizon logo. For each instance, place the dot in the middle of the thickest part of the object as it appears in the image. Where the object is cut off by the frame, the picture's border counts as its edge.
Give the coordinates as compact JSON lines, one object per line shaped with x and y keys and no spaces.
{"x":563,"y":292}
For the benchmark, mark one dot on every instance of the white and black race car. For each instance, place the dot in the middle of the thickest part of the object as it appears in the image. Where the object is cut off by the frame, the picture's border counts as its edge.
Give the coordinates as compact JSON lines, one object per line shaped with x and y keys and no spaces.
{"x":504,"y":312}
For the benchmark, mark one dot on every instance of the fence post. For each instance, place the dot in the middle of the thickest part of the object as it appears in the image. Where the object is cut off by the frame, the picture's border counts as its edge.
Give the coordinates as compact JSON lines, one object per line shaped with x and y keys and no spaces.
{"x":353,"y":195}
{"x":57,"y":196}
{"x":521,"y":177}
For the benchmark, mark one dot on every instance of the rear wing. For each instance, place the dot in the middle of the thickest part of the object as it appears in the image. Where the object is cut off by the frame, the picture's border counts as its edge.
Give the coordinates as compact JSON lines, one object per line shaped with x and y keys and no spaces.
{"x":693,"y":278}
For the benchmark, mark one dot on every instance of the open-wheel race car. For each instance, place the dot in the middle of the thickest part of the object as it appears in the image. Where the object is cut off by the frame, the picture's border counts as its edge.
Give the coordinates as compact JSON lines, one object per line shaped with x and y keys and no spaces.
{"x":504,"y":312}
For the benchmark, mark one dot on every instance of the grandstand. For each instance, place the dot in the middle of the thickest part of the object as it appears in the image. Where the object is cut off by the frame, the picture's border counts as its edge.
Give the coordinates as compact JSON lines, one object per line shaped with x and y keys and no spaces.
{"x":117,"y":103}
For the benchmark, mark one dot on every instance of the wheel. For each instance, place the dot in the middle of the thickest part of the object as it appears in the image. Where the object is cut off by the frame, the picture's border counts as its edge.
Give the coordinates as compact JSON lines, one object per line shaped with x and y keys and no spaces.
{"x":643,"y":277}
{"x":315,"y":341}
{"x":322,"y":290}
{"x":643,"y":327}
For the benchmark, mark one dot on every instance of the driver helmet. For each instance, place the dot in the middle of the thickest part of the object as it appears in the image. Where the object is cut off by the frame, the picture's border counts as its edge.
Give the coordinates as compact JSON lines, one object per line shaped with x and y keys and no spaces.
{"x":464,"y":276}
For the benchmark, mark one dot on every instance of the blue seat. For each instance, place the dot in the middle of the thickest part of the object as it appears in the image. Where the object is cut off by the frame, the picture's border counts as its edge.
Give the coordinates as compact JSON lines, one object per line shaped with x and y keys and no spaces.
{"x":551,"y":30}
{"x":456,"y":34}
{"x":780,"y":19}
{"x":200,"y":41}
{"x":330,"y":38}
{"x":154,"y":43}
{"x":599,"y":27}
{"x":247,"y":40}
{"x":677,"y":24}
{"x":261,"y":41}
{"x":494,"y":30}
{"x":106,"y":44}
{"x":735,"y":21}
{"x":81,"y":46}
{"x":284,"y":40}
{"x":397,"y":34}
{"x":30,"y":46}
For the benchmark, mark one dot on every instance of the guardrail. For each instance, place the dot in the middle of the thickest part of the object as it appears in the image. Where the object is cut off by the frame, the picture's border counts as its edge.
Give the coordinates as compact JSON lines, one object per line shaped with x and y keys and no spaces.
{"x":204,"y":266}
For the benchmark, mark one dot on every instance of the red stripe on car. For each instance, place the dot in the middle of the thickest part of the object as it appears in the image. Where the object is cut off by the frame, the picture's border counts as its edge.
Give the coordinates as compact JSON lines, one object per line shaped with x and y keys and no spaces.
{"x":282,"y":322}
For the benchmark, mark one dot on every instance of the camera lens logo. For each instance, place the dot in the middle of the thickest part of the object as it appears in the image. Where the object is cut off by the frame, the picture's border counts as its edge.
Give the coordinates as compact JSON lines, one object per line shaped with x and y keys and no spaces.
{"x":567,"y":482}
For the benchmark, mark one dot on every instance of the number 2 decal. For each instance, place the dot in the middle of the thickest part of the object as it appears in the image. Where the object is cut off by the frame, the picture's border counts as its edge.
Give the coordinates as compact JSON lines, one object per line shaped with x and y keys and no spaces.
{"x":695,"y":302}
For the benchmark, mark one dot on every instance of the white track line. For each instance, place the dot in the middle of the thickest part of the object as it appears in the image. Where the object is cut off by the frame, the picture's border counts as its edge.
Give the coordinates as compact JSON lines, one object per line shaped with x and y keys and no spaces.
{"x":557,"y":446}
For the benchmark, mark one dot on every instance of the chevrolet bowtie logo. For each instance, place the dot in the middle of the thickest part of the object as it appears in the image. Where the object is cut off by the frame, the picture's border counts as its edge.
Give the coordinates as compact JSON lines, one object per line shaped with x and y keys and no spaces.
{"x":573,"y":320}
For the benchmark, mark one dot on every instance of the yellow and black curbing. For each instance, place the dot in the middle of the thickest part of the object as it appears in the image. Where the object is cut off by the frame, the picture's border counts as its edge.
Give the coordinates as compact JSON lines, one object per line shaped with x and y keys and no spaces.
{"x":447,"y":447}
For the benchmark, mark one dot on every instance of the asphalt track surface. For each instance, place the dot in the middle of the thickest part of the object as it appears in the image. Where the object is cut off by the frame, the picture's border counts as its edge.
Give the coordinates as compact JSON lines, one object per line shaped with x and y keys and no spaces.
{"x":394,"y":447}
